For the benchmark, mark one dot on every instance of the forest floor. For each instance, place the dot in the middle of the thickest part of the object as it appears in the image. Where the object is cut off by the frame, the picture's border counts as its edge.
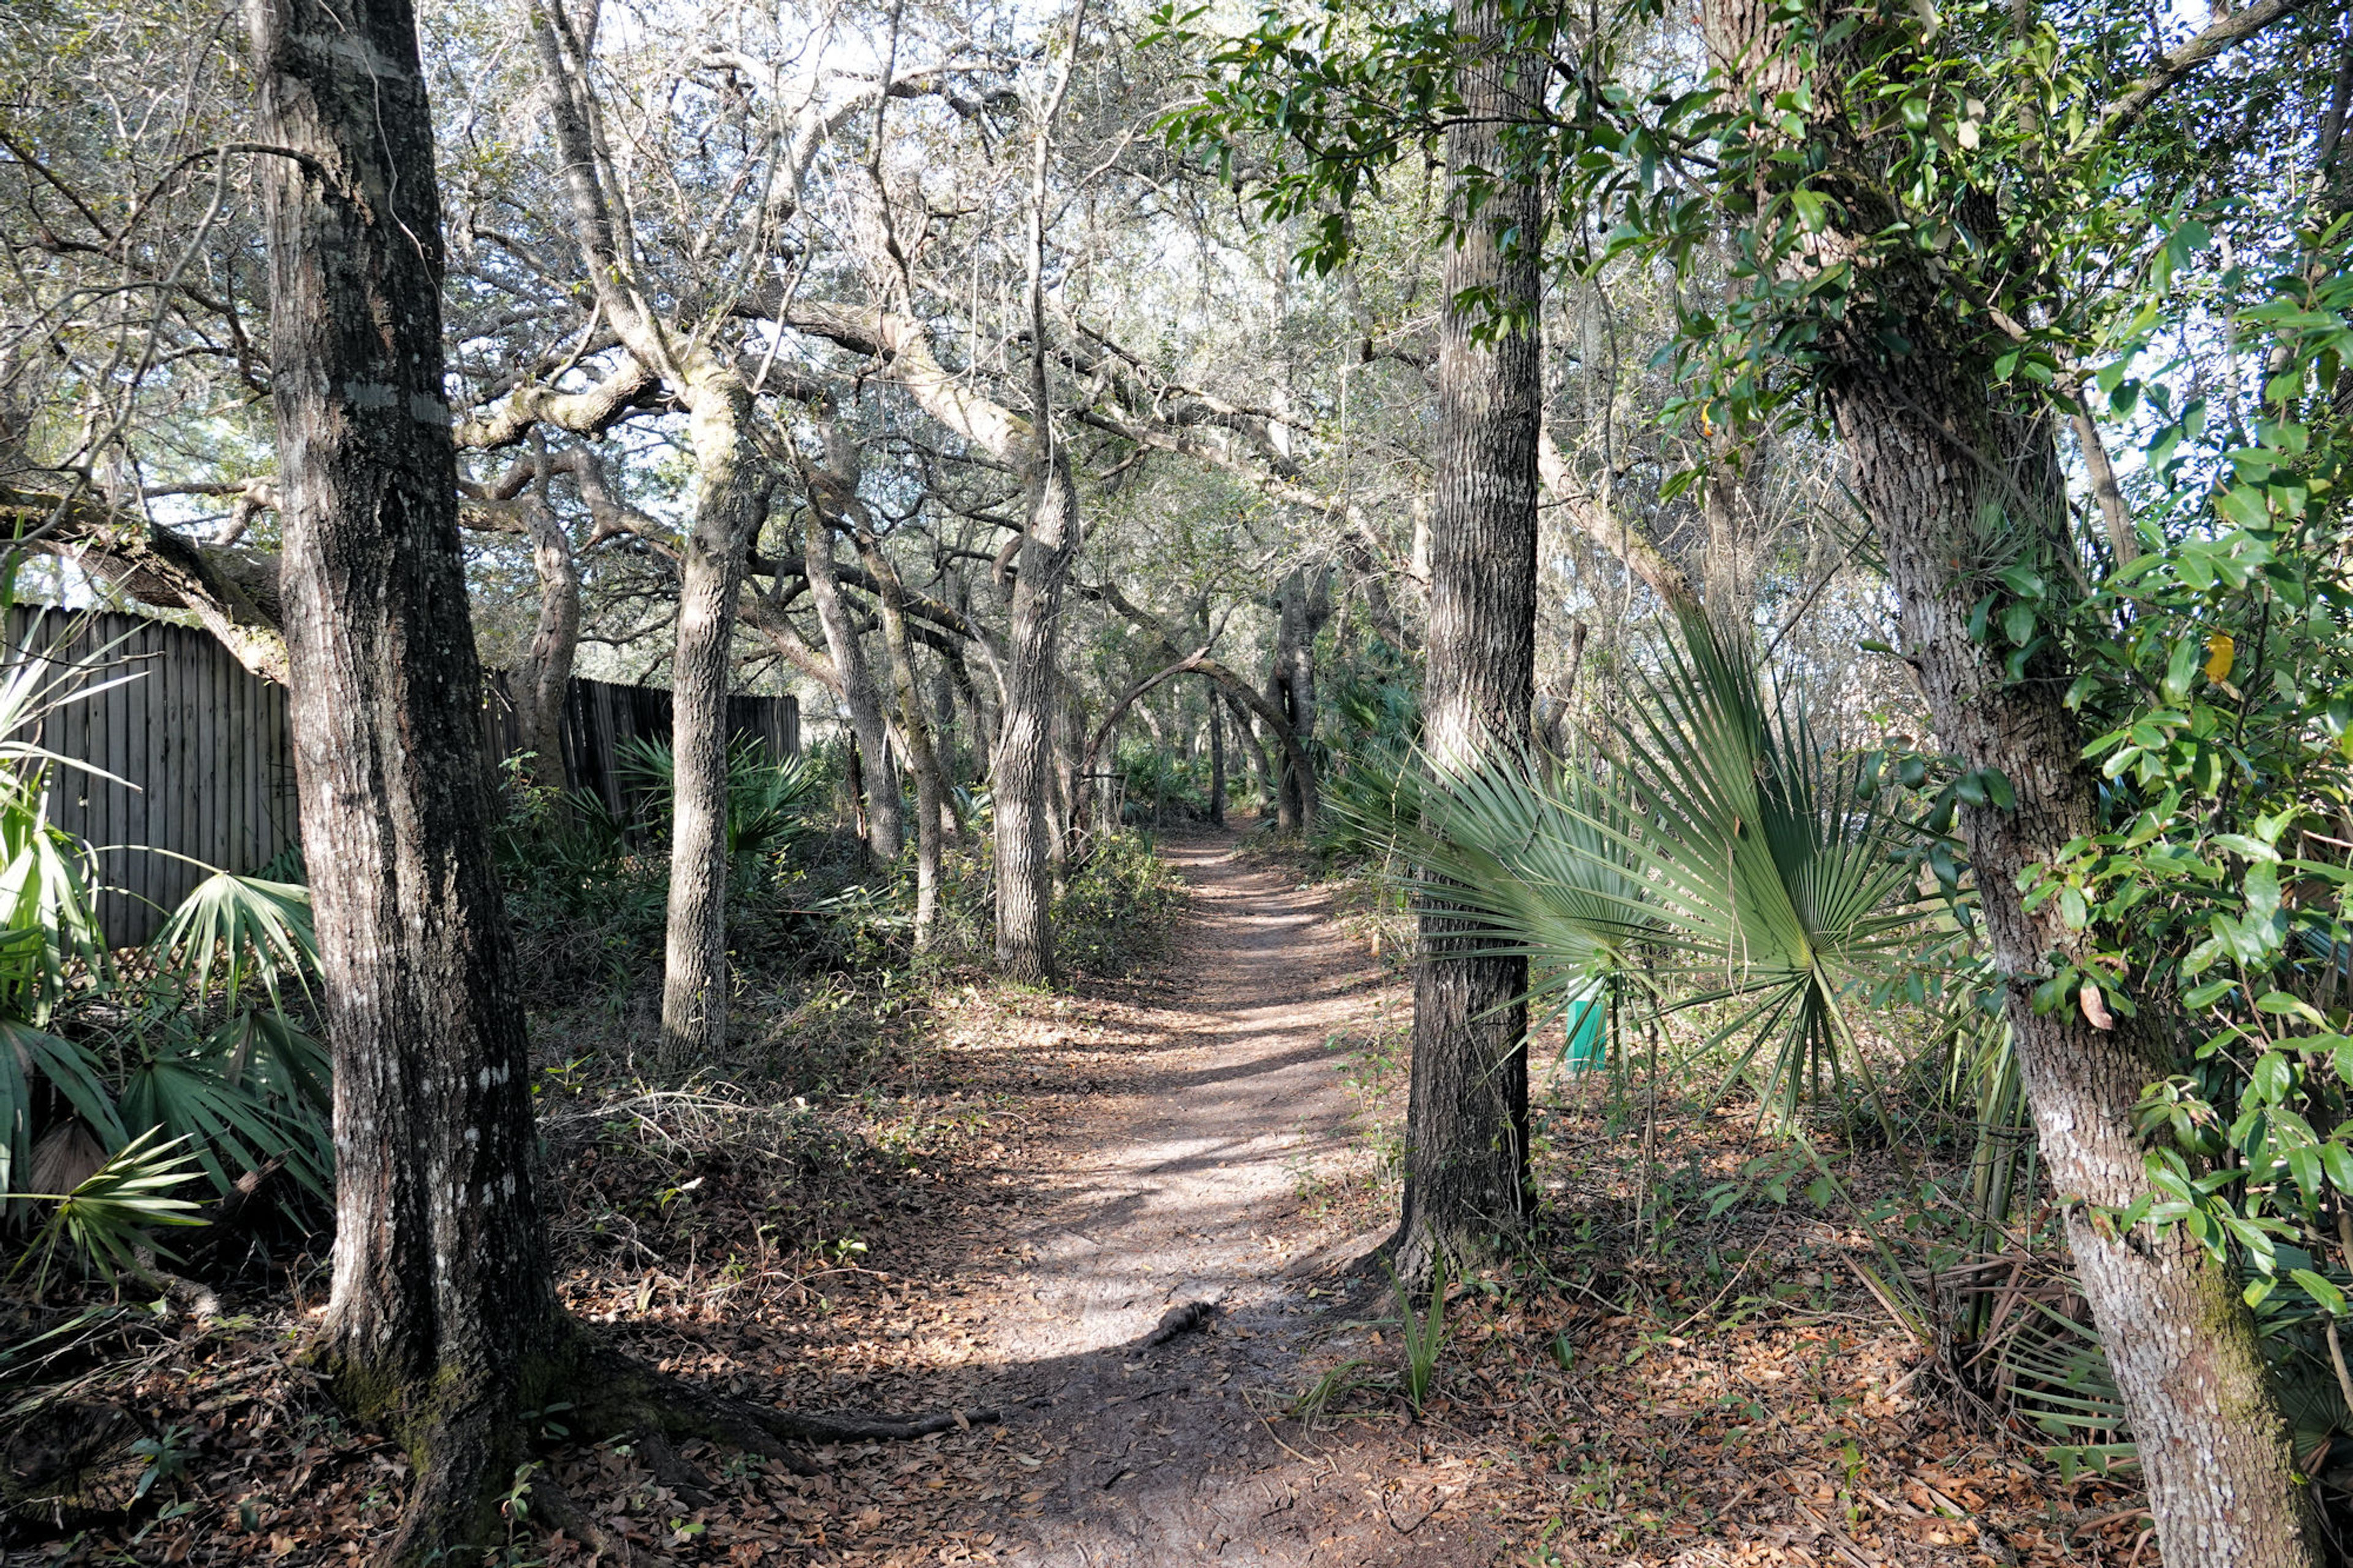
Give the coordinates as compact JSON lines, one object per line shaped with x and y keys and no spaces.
{"x":1054,"y":1183}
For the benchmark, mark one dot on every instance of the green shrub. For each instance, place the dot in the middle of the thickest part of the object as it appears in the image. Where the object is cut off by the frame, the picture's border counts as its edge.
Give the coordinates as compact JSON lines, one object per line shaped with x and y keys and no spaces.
{"x":119,"y":1080}
{"x":1114,"y":909}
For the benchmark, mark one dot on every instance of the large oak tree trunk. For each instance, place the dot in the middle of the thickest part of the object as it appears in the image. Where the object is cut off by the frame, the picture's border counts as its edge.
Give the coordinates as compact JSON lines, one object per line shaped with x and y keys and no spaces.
{"x":441,"y":1294}
{"x":1944,"y":462}
{"x":1467,"y":1112}
{"x":1929,"y":443}
{"x":1024,"y":747}
{"x":441,"y":1326}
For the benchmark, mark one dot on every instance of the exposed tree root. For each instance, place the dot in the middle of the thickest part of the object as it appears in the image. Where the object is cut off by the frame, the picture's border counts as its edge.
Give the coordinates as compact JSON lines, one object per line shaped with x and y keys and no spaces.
{"x":641,"y":1398}
{"x":553,"y":1509}
{"x":465,"y":1460}
{"x":467,"y":1455}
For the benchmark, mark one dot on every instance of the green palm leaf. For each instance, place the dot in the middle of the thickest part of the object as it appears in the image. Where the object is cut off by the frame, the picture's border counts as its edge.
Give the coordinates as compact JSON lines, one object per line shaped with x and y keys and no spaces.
{"x":766,"y":798}
{"x":245,"y":931}
{"x":194,"y":1091}
{"x":1724,"y":839}
{"x":25,"y":1053}
{"x":1542,"y":867}
{"x":109,"y":1214}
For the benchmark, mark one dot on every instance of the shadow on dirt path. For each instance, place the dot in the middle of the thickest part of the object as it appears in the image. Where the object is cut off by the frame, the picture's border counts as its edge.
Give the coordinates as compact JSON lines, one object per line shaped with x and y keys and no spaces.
{"x":1183,"y":1187}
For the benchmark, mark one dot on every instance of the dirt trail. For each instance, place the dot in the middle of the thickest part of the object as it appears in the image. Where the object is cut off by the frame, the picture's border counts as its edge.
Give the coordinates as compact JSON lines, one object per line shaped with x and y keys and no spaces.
{"x":1183,"y":1186}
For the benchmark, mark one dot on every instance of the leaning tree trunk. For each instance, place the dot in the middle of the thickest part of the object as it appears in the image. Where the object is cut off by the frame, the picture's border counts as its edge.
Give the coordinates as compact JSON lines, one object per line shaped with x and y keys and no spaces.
{"x":1260,"y":765}
{"x":2222,"y":1485}
{"x":1938,"y":447}
{"x":1024,"y":747}
{"x":731,"y":486}
{"x":441,"y":1295}
{"x":1467,"y":1112}
{"x":885,"y":833}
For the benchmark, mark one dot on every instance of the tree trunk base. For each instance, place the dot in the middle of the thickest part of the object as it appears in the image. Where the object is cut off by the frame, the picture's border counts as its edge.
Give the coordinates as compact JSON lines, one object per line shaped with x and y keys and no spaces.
{"x":467,"y":1452}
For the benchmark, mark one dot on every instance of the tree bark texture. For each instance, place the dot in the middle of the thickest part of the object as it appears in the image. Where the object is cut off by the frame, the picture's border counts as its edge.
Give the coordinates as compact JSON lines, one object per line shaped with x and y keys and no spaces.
{"x":1061,"y":800}
{"x":1945,"y":461}
{"x":1467,"y":1111}
{"x":944,"y":745}
{"x":732,"y":482}
{"x":885,"y":829}
{"x":923,"y":758}
{"x":1261,"y":768}
{"x":440,"y":1293}
{"x":1305,"y":605}
{"x":1927,"y":440}
{"x":1217,"y":762}
{"x":1024,"y":747}
{"x":546,"y":675}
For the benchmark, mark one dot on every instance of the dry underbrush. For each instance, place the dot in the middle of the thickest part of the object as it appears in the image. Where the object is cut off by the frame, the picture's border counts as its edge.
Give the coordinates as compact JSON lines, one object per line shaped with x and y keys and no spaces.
{"x":1690,"y":1366}
{"x":756,"y":1230}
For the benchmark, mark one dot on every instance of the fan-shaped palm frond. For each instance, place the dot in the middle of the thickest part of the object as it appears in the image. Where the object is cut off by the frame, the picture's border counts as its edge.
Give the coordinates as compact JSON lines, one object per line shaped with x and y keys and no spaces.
{"x":766,"y":799}
{"x":1725,"y":837}
{"x":1370,"y":791}
{"x":244,"y":931}
{"x":45,"y":894}
{"x":1542,"y":867}
{"x":26,"y":1053}
{"x":113,"y":1211}
{"x":241,"y":1096}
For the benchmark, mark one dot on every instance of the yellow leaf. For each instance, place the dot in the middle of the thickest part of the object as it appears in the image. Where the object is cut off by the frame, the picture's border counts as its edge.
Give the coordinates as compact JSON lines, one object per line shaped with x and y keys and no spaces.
{"x":2220,"y":651}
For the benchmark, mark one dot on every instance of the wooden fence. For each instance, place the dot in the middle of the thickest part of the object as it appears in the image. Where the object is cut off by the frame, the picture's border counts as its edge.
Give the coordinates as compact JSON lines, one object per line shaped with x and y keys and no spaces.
{"x":600,"y":718}
{"x":202,"y":751}
{"x":200,"y":747}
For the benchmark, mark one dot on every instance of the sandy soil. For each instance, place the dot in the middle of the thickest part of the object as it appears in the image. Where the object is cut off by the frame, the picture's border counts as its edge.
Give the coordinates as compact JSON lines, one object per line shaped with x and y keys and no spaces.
{"x":1184,"y":1188}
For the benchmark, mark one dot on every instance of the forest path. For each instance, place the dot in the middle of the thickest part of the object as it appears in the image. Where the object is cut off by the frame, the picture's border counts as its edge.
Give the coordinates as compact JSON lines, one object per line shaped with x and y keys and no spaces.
{"x":1184,"y":1185}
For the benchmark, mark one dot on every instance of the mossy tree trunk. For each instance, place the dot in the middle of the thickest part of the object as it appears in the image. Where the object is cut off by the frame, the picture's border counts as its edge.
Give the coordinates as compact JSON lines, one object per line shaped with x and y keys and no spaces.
{"x":2222,"y":1483}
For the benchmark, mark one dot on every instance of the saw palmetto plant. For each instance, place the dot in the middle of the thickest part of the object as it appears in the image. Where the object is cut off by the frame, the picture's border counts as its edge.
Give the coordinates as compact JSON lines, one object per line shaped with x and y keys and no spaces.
{"x":767,"y":800}
{"x":1723,"y":844}
{"x":109,"y":1218}
{"x":119,"y":1081}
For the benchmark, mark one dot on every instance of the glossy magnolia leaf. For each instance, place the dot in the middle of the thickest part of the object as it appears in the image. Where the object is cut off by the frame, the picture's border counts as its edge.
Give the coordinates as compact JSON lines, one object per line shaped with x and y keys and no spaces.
{"x":2207,"y":995}
{"x":2321,"y":1289}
